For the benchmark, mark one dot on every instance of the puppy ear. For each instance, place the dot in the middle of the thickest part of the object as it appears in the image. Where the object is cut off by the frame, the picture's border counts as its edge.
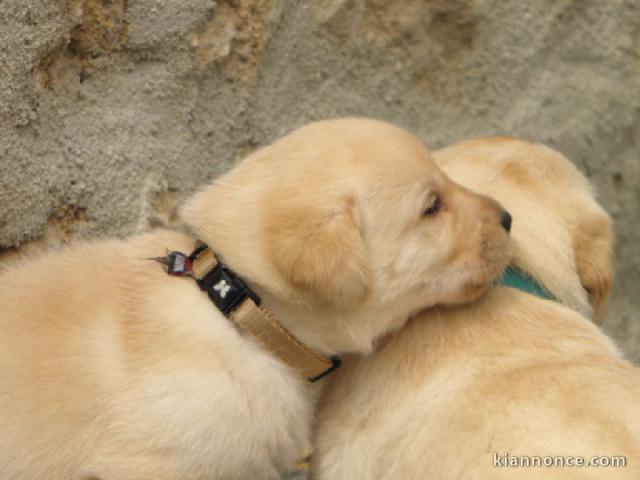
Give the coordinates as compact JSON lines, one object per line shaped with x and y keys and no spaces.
{"x":321,"y":253}
{"x":593,"y":246}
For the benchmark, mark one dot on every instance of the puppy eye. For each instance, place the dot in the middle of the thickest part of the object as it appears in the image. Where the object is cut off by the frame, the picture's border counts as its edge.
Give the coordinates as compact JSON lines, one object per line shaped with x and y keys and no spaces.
{"x":433,"y":207}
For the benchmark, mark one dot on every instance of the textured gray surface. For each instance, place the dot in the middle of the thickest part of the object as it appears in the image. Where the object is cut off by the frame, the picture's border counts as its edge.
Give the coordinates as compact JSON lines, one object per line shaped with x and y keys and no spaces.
{"x":112,"y":110}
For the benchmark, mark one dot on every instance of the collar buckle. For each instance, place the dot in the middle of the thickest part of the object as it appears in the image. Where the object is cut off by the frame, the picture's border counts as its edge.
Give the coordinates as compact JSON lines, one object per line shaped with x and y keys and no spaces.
{"x":225,"y":289}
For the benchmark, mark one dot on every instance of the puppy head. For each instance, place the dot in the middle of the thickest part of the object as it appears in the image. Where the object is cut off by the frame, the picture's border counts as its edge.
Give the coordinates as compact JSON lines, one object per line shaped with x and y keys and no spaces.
{"x":353,"y":219}
{"x":562,"y":236}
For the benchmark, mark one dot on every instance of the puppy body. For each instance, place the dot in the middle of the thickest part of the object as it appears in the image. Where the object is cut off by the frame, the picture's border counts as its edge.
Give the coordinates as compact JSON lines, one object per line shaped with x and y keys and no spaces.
{"x":112,"y":369}
{"x":511,"y":374}
{"x":153,"y":383}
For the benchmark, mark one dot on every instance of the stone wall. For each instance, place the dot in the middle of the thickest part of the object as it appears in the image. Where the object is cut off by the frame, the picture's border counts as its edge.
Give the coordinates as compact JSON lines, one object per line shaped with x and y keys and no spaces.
{"x":112,"y":110}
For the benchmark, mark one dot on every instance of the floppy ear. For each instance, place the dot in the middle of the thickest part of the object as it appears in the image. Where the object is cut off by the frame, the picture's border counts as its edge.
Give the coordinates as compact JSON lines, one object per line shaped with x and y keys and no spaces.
{"x":593,"y":246}
{"x":321,"y":253}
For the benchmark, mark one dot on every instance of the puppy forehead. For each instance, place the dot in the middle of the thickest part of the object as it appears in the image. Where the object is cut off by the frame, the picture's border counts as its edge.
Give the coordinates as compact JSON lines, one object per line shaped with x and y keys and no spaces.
{"x":397,"y":164}
{"x":348,"y":157}
{"x":368,"y":140}
{"x":532,"y":167}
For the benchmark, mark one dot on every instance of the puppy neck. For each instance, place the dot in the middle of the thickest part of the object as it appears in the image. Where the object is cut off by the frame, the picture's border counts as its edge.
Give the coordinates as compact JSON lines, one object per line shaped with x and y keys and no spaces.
{"x":515,"y":278}
{"x":553,"y":269}
{"x":240,"y":304}
{"x":339,"y":332}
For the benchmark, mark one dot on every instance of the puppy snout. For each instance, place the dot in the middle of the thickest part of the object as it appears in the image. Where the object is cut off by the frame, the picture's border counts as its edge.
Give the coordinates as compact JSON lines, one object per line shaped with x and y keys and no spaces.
{"x":506,"y":220}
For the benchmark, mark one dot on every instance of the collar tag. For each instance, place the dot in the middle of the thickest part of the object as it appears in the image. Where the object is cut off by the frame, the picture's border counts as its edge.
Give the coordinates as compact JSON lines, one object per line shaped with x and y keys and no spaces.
{"x":179,"y":264}
{"x":176,"y":263}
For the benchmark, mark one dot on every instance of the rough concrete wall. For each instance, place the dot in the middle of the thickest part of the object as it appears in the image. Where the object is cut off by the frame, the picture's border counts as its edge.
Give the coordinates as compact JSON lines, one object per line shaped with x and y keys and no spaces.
{"x":112,"y":110}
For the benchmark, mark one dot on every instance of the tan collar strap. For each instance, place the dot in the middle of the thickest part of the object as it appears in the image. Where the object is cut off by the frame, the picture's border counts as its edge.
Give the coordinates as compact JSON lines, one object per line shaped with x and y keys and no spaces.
{"x":241,"y":305}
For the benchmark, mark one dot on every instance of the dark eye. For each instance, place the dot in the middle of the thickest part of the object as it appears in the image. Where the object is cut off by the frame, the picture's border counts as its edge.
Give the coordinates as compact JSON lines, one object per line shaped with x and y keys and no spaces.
{"x":433,"y":207}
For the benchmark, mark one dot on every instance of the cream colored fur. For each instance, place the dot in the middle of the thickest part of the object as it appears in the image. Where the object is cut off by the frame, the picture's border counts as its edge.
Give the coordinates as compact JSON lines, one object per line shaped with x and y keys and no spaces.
{"x":511,"y":373}
{"x":110,"y":369}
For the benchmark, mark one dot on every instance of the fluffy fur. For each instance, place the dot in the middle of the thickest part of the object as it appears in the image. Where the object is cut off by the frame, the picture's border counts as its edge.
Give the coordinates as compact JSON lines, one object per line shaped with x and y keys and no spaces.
{"x":511,"y":373}
{"x":112,"y":370}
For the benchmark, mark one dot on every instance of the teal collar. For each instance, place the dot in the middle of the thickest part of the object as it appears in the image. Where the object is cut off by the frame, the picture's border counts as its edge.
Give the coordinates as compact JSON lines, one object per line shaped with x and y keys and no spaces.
{"x":516,"y":278}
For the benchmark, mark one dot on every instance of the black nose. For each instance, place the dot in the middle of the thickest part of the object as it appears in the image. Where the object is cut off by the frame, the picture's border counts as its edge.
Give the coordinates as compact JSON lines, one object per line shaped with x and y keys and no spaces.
{"x":505,"y":221}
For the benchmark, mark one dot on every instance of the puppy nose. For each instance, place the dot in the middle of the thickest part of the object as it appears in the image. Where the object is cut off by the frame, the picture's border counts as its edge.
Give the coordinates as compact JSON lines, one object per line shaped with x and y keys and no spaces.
{"x":505,"y":220}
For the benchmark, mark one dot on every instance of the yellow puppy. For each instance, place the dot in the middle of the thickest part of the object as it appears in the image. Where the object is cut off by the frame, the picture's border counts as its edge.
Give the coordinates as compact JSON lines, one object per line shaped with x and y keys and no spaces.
{"x":465,"y":392}
{"x":112,"y":369}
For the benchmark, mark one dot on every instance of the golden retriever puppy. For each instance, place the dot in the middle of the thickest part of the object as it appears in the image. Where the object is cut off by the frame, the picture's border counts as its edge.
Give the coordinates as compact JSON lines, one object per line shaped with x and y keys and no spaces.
{"x":480,"y":392}
{"x":112,"y":369}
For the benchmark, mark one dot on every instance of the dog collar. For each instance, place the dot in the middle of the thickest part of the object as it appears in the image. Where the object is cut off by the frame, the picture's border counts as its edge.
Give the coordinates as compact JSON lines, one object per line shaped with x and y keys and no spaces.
{"x":241,"y":305}
{"x":516,"y":278}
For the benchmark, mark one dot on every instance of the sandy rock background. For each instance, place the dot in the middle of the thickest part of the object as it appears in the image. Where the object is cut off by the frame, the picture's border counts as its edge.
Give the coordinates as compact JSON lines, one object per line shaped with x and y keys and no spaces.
{"x":111,"y":111}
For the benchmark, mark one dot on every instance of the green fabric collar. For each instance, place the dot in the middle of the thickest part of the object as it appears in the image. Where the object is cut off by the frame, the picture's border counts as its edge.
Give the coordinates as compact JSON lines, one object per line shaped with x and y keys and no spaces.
{"x":516,"y":278}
